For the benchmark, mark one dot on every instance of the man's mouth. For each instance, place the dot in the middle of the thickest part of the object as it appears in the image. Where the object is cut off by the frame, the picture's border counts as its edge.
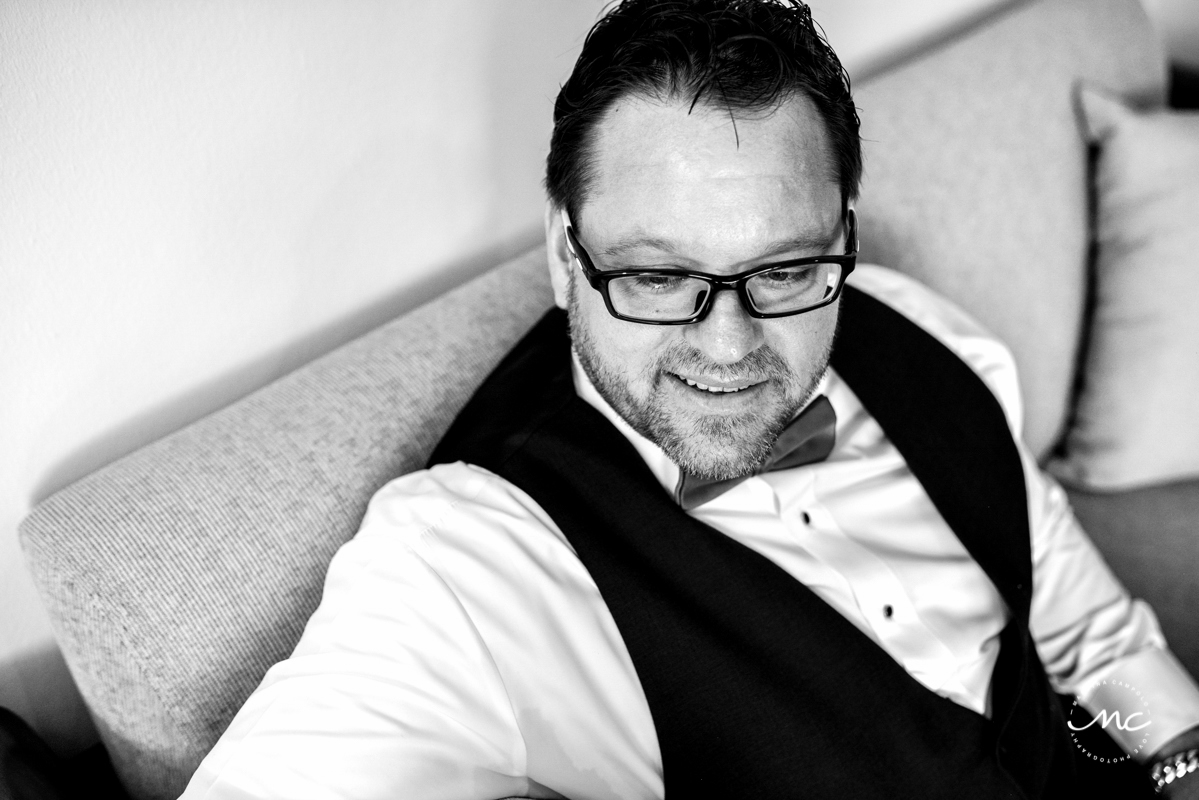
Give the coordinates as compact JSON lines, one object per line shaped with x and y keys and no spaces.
{"x":722,"y":387}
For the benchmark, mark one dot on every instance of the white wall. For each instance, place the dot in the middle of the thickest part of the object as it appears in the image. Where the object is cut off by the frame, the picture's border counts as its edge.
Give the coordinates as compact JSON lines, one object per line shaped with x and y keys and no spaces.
{"x":198,"y":196}
{"x":1177,"y":22}
{"x":868,"y":34}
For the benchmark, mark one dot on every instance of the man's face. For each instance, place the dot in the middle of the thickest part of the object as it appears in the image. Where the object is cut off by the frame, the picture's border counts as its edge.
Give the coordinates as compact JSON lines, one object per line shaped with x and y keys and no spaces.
{"x":679,"y":189}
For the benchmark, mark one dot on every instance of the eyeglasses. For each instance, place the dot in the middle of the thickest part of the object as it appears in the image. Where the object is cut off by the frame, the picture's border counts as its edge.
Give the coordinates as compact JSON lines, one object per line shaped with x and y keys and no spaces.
{"x":659,"y":296}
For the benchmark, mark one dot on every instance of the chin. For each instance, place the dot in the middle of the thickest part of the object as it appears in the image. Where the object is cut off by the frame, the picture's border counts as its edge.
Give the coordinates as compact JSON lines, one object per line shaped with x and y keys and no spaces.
{"x":718,"y":447}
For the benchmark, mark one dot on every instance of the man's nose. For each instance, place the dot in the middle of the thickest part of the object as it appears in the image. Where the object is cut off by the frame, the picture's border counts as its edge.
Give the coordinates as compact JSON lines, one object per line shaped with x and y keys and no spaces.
{"x":728,"y":333}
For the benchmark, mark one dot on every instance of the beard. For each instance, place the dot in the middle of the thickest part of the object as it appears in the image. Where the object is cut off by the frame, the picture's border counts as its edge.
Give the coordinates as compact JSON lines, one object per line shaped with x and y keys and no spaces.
{"x":711,"y":446}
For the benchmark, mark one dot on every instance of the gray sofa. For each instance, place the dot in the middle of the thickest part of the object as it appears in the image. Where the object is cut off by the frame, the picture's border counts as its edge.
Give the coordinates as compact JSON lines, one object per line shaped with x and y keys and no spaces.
{"x":176,"y":576}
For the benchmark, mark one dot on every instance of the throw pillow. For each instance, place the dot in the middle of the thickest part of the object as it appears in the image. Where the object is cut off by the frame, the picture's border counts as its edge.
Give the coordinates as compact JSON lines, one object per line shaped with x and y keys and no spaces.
{"x":1136,"y":421}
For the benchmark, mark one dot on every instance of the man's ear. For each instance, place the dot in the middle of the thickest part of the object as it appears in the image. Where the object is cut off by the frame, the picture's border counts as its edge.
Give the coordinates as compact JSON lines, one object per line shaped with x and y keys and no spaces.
{"x":560,"y":262}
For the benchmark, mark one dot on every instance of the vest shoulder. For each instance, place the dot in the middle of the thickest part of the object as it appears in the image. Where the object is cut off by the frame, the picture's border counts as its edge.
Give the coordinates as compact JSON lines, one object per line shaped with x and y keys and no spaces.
{"x":951,"y":325}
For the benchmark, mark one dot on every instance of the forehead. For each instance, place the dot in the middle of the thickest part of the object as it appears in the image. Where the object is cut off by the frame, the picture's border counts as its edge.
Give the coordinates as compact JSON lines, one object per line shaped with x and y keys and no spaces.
{"x":660,"y":164}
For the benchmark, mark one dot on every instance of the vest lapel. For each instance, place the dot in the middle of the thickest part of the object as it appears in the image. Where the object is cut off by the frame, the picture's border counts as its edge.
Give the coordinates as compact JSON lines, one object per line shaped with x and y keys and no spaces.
{"x":950,"y":430}
{"x":954,"y":436}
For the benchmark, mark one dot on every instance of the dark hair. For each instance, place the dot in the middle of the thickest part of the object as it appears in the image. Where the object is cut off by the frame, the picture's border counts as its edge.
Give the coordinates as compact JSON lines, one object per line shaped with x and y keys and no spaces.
{"x":748,"y":56}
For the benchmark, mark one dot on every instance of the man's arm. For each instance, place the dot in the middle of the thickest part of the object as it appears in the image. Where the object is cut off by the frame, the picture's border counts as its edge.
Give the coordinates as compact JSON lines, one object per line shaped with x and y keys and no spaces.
{"x":1086,"y":626}
{"x":1097,"y":642}
{"x":390,"y":693}
{"x":461,"y":650}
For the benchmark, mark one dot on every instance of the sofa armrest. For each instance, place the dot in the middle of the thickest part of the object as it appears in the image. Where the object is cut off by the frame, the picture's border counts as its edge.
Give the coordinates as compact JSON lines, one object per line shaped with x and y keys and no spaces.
{"x":178,"y":575}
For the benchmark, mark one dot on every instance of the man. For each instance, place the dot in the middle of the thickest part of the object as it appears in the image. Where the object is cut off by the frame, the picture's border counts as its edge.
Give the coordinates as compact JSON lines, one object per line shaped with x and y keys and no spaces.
{"x":747,"y":530}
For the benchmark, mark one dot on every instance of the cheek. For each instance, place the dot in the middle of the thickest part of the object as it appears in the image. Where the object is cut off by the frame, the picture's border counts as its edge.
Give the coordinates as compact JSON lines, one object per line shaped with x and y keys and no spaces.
{"x":630,"y":348}
{"x":805,"y":341}
{"x":627,"y":349}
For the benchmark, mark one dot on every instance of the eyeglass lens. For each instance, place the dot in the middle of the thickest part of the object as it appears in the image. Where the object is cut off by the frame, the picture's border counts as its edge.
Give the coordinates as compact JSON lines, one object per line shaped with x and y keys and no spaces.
{"x":670,"y":297}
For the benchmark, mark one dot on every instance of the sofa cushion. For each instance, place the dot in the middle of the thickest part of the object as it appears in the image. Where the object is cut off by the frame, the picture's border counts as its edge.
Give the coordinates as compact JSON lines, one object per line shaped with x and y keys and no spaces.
{"x":1135,"y":421}
{"x":975,"y":176}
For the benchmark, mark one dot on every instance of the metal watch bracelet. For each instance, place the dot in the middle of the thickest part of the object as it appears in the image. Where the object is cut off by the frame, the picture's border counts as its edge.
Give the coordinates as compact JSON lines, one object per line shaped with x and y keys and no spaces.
{"x":1170,"y":769}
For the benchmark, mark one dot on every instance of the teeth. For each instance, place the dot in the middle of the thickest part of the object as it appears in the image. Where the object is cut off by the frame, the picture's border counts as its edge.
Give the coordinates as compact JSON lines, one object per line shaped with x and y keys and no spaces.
{"x":713,"y":389}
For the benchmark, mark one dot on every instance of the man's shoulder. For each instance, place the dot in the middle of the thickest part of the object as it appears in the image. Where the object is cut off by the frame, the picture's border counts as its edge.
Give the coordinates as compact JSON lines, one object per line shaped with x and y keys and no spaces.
{"x":449,"y":503}
{"x":951,"y":325}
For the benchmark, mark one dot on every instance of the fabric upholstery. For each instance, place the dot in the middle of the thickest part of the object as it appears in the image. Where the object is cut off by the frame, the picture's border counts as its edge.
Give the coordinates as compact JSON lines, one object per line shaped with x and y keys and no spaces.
{"x":1148,"y":538}
{"x":975,"y":176}
{"x":178,"y":575}
{"x":1135,"y":424}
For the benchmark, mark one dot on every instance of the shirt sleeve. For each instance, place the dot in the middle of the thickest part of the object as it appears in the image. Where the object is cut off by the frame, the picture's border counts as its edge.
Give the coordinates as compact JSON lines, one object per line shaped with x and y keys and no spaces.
{"x":1095,"y":641}
{"x":391,"y":691}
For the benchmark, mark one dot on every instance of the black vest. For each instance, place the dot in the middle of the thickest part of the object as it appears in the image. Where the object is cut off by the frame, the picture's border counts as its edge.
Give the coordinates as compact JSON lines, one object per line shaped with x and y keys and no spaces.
{"x":757,"y":687}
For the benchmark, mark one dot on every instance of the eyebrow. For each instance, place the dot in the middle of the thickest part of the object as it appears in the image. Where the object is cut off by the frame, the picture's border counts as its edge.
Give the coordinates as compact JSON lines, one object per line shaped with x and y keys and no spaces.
{"x":817,"y":242}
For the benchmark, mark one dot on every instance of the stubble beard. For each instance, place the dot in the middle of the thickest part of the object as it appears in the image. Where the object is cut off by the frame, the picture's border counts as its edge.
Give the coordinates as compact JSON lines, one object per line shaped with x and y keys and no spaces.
{"x":711,"y":446}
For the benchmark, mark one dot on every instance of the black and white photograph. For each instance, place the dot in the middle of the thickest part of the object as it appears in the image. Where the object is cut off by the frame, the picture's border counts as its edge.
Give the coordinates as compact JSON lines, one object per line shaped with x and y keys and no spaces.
{"x":599,"y":399}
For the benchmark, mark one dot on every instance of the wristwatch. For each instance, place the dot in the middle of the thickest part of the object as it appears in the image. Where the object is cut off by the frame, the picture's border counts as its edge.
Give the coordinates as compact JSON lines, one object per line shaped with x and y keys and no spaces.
{"x":1170,"y":769}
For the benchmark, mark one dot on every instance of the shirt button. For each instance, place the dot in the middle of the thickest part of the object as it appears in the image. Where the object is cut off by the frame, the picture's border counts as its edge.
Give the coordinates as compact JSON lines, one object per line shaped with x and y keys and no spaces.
{"x":806,"y":517}
{"x":888,"y":611}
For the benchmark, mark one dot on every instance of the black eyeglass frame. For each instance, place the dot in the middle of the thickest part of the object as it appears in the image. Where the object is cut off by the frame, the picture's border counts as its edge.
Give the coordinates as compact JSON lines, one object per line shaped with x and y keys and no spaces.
{"x":599,"y":279}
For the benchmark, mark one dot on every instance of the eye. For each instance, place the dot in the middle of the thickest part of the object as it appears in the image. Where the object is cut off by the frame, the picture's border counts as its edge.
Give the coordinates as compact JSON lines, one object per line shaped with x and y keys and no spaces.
{"x":657,"y":283}
{"x":786,"y":277}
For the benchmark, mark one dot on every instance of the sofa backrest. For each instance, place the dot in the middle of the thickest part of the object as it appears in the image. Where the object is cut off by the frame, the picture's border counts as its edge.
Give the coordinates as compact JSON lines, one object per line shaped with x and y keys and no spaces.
{"x":975,"y":177}
{"x":176,"y":576}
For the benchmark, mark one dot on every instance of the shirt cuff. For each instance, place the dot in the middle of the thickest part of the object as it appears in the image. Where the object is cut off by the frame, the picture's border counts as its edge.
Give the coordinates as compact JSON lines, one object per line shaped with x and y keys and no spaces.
{"x":1143,"y":701}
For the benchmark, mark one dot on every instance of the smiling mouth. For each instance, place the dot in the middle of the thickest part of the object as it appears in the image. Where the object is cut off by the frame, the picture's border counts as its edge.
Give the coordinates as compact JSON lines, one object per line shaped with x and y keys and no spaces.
{"x":729,"y":389}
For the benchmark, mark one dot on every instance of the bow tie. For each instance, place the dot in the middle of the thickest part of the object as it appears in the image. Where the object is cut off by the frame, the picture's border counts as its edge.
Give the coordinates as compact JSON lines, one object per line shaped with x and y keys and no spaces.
{"x":807,"y":439}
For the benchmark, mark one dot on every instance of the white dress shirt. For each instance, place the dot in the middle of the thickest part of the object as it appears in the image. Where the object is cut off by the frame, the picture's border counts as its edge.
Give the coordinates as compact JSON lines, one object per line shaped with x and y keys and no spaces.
{"x":462,"y":651}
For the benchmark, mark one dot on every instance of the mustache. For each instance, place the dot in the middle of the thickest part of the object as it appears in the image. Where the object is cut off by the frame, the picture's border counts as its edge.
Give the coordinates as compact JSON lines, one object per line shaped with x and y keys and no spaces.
{"x":761,"y":364}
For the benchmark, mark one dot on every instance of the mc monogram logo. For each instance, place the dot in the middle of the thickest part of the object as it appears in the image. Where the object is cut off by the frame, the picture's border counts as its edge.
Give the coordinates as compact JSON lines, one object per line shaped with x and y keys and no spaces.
{"x":1104,"y":719}
{"x":1125,"y":715}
